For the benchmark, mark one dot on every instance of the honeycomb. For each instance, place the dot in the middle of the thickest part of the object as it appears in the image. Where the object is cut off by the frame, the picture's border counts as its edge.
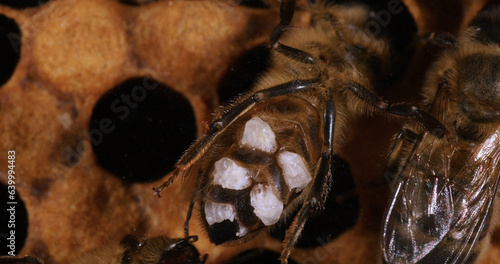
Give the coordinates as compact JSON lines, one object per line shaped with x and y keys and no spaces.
{"x":99,"y":98}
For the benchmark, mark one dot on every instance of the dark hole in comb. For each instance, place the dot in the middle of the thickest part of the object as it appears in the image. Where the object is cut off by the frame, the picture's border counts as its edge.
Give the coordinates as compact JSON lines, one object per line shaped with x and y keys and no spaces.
{"x":139,"y":129}
{"x":10,"y":47}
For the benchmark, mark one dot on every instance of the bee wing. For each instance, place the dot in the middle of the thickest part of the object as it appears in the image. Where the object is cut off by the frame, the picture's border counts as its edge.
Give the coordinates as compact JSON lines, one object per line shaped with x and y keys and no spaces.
{"x":437,"y":213}
{"x":418,"y":217}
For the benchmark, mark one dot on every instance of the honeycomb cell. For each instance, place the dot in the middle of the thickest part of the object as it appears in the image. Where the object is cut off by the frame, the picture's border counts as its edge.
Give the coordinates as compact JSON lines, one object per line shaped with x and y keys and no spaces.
{"x":86,"y":42}
{"x":10,"y":47}
{"x":139,"y":129}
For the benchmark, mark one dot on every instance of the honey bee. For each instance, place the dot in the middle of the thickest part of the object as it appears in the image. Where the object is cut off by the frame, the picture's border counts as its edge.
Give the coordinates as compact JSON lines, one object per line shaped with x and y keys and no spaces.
{"x":271,"y":151}
{"x":443,"y":197}
{"x":155,"y":250}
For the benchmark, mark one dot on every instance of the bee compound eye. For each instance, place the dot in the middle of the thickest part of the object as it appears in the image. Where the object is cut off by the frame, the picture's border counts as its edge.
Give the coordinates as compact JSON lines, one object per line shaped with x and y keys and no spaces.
{"x":10,"y":47}
{"x":13,"y":222}
{"x":243,"y":73}
{"x":140,"y":128}
{"x":22,"y":4}
{"x":339,"y":215}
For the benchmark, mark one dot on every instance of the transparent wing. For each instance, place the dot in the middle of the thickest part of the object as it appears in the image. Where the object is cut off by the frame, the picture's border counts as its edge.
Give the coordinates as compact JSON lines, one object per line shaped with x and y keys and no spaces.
{"x":442,"y":202}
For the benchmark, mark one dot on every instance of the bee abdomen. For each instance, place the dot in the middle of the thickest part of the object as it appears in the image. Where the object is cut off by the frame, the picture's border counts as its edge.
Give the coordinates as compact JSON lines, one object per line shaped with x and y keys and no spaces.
{"x":251,"y":184}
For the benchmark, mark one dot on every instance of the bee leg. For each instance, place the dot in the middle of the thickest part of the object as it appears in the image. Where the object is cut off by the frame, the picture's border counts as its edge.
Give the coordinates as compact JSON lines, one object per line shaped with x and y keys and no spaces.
{"x":404,"y":140}
{"x":286,"y":14}
{"x":191,"y":240}
{"x":197,"y":149}
{"x":287,"y":9}
{"x":192,"y":202}
{"x":442,"y":92}
{"x":188,"y":217}
{"x":426,"y":120}
{"x":320,"y":187}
